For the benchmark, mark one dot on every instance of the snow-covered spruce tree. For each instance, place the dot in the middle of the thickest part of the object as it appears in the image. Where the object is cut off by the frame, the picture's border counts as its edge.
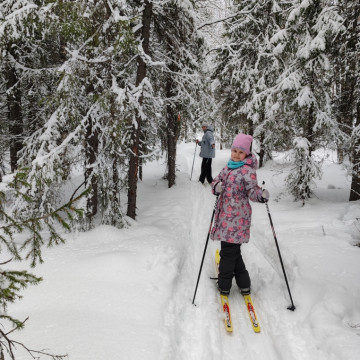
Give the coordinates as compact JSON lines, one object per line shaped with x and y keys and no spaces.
{"x":345,"y":53}
{"x":199,"y":106}
{"x":231,"y":87}
{"x":302,"y":94}
{"x":13,"y":15}
{"x":180,"y":50}
{"x":237,"y":72}
{"x":210,"y":16}
{"x":29,"y":53}
{"x":80,"y":136}
{"x":248,"y":67}
{"x":305,"y":170}
{"x":167,"y":85}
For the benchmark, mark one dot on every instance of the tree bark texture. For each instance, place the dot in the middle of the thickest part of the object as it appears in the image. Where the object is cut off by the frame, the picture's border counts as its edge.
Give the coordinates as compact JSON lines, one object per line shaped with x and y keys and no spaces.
{"x":355,"y":182}
{"x":173,"y":125}
{"x":91,"y":153}
{"x":349,"y":109}
{"x":136,"y":127}
{"x":262,"y":150}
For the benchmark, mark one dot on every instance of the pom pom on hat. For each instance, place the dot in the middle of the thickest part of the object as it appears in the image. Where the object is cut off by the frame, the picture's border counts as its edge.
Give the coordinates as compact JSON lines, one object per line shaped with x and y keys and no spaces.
{"x":242,"y":142}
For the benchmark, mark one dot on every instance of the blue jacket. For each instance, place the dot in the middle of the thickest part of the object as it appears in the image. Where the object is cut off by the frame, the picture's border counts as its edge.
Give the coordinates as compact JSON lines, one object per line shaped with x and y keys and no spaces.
{"x":207,"y":140}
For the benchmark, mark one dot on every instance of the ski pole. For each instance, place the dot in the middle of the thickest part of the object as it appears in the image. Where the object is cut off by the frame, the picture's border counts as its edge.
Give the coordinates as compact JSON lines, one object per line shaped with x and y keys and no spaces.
{"x":206,"y":244}
{"x":193,"y":162}
{"x":292,"y":307}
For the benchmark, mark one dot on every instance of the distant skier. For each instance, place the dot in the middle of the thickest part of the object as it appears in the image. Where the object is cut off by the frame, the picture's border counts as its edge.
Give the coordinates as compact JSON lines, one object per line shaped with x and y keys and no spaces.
{"x":235,"y":185}
{"x":207,"y":152}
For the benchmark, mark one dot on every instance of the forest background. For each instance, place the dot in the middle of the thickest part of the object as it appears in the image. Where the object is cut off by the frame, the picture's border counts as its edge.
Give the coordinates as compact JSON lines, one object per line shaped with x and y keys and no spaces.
{"x":100,"y":87}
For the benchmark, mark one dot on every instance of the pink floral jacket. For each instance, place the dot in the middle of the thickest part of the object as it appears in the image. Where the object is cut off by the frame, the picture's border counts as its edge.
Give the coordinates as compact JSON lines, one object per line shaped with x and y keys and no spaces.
{"x":233,"y":211}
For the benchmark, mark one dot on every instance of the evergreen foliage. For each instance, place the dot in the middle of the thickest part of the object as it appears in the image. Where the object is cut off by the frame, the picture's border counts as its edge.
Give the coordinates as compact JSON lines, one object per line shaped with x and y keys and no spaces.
{"x":302,"y":91}
{"x":39,"y":231}
{"x":277,"y":77}
{"x":179,"y":48}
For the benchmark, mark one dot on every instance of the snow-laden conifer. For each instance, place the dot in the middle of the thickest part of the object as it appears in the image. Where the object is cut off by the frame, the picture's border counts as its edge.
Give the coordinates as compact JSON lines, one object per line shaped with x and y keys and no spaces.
{"x":246,"y":66}
{"x":180,"y":79}
{"x":79,"y":136}
{"x":303,"y":89}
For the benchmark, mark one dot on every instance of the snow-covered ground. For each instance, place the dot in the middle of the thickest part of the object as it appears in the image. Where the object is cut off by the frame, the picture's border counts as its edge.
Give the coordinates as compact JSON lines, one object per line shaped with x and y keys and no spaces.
{"x":127,"y":294}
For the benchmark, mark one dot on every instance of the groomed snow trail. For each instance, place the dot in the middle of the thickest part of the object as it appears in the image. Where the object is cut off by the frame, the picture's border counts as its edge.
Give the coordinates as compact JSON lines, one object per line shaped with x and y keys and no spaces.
{"x":197,"y":332}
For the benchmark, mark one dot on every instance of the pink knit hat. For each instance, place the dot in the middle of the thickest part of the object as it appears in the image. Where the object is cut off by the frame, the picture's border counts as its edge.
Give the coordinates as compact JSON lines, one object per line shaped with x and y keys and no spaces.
{"x":242,"y":142}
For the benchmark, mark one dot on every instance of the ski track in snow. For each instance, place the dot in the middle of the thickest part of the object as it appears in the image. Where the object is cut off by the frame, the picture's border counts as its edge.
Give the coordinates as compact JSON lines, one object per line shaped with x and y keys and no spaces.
{"x":199,"y":329}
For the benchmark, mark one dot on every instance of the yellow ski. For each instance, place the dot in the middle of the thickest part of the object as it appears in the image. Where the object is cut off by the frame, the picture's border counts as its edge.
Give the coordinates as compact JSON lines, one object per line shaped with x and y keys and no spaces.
{"x":252,"y":314}
{"x":226,"y":308}
{"x":225,"y":304}
{"x":224,"y":298}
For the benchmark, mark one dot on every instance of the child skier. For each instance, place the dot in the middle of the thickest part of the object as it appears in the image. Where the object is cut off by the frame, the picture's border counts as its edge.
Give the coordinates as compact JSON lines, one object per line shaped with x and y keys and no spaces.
{"x":235,"y":185}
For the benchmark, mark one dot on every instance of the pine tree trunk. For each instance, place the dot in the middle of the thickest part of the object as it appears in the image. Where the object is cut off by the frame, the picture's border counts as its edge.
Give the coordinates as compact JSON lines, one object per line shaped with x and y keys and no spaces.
{"x":262,"y":151}
{"x":262,"y":138}
{"x":14,"y":116}
{"x":349,"y":108}
{"x":172,"y":132}
{"x":136,"y":128}
{"x":141,"y":161}
{"x":355,"y":182}
{"x":140,"y":169}
{"x":310,"y":138}
{"x":115,"y":189}
{"x":92,"y":146}
{"x":340,"y":153}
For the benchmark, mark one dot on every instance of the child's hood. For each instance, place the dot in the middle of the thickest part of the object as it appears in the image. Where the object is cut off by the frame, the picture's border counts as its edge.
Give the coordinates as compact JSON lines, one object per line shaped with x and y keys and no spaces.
{"x":251,"y":161}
